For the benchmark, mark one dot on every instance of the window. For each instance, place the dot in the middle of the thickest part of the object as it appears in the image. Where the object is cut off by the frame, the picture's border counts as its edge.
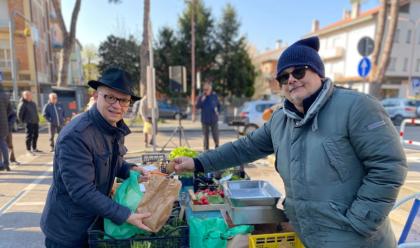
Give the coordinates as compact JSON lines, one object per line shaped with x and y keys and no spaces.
{"x":405,"y":64}
{"x":408,"y":41}
{"x":397,"y":35}
{"x":5,"y":61}
{"x":418,"y":40}
{"x":392,"y":63}
{"x":418,"y":65}
{"x":4,"y":13}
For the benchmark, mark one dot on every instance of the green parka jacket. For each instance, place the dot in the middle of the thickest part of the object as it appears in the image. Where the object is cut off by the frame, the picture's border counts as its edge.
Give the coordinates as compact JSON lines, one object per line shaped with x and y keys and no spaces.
{"x":342,"y":166}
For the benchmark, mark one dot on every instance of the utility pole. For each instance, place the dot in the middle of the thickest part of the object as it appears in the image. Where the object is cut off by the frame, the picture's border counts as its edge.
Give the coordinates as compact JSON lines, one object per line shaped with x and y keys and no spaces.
{"x":193,"y":60}
{"x":13,"y":56}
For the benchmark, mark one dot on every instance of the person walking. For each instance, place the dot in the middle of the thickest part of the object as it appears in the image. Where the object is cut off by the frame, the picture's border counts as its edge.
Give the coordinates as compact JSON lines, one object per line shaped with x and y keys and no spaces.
{"x":55,"y":116}
{"x":28,"y":114}
{"x":5,"y":110}
{"x":337,"y":151}
{"x":88,"y":156}
{"x":146,"y":115}
{"x":210,"y":109}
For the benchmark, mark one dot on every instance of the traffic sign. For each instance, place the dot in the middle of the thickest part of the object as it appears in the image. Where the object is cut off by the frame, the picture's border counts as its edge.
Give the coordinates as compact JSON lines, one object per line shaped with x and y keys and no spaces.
{"x":415,"y":84}
{"x":364,"y":67}
{"x":365,"y":46}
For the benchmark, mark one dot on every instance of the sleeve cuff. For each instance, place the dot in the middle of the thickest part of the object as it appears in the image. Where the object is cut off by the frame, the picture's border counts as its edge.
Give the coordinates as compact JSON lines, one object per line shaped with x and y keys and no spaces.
{"x":198,"y":166}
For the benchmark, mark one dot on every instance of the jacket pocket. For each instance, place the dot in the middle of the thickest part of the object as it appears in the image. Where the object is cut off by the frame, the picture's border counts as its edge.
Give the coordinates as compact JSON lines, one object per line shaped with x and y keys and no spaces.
{"x":102,"y":168}
{"x":334,"y":150}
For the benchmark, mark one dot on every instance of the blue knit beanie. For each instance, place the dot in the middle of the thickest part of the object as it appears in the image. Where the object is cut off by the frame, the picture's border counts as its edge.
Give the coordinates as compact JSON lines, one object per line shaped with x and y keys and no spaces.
{"x":301,"y":53}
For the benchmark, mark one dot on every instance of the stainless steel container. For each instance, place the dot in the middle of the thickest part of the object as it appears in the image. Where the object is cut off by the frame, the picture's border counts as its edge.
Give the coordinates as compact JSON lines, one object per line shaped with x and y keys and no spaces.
{"x":251,"y":193}
{"x":254,"y":214}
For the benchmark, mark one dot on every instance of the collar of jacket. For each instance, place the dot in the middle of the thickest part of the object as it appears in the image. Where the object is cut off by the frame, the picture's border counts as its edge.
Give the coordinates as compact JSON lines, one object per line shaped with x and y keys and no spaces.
{"x":321,"y":99}
{"x":99,"y":121}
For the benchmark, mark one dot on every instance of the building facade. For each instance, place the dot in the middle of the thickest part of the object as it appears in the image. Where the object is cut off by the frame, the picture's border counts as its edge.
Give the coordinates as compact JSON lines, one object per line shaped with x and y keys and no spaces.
{"x":266,"y":66}
{"x":339,"y":42}
{"x":33,"y":49}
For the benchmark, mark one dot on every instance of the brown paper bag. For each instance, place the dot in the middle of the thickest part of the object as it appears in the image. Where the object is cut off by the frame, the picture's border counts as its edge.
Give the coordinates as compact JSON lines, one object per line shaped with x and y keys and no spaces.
{"x":161,"y":193}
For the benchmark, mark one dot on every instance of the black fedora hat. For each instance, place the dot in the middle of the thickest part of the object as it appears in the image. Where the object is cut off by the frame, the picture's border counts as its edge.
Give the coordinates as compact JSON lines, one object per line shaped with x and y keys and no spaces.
{"x":116,"y":79}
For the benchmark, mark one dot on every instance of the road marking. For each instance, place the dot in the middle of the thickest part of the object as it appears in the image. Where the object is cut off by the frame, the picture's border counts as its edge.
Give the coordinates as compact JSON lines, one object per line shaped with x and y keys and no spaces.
{"x":29,"y":203}
{"x":23,"y":192}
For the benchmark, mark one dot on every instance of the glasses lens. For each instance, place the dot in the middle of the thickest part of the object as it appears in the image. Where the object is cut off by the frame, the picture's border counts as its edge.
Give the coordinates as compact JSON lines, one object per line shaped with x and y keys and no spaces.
{"x":299,"y":73}
{"x":283,"y":78}
{"x":125,"y":102}
{"x":110,"y":99}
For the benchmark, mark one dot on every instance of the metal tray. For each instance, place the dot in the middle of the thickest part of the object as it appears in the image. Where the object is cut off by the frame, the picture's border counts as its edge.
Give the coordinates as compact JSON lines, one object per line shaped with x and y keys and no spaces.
{"x":251,"y":193}
{"x":252,"y":215}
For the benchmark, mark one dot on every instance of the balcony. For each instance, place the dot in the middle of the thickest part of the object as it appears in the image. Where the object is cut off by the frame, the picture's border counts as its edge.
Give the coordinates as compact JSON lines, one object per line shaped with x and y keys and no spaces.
{"x":332,"y":53}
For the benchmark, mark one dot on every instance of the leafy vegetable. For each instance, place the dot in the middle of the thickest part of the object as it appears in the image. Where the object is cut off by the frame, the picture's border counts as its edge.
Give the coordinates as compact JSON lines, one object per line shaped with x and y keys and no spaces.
{"x":182,"y":152}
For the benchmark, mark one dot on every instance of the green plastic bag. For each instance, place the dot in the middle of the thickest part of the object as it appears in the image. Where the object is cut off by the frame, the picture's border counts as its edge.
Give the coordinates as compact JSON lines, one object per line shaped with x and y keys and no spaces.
{"x":213,"y":232}
{"x":129,"y":195}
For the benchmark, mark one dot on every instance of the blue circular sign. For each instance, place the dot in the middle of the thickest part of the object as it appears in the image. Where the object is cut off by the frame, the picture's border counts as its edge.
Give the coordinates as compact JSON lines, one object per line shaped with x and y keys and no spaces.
{"x":364,"y":67}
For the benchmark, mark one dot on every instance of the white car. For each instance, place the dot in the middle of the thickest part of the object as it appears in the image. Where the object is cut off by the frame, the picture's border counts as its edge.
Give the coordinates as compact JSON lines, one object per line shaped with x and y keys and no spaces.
{"x":399,"y":109}
{"x":251,"y":115}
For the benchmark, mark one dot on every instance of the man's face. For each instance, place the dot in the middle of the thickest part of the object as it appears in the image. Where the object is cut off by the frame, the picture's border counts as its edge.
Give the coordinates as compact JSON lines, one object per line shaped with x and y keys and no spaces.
{"x":53,"y":99}
{"x":207,"y":90}
{"x":296,"y":90}
{"x":27,"y":96}
{"x":111,"y":111}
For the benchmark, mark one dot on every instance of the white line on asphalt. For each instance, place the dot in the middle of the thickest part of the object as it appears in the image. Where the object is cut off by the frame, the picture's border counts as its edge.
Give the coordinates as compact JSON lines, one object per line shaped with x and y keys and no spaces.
{"x":23,"y":192}
{"x":29,"y":203}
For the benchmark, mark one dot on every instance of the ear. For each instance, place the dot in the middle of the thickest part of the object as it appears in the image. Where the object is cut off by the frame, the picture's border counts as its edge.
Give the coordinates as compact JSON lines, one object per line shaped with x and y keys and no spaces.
{"x":95,"y":95}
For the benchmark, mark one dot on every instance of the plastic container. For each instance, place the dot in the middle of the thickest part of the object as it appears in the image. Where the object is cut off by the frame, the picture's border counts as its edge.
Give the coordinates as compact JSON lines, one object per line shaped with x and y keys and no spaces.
{"x":273,"y":240}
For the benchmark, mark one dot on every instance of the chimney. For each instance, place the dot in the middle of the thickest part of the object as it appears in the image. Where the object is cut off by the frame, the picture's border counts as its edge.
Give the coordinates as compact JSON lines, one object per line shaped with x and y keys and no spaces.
{"x":355,"y":9}
{"x":346,"y":14}
{"x":278,"y":44}
{"x":315,"y":25}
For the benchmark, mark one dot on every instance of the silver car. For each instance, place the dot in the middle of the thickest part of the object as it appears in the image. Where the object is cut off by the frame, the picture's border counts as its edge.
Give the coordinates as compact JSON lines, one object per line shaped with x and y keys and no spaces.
{"x":399,"y":109}
{"x":251,"y":115}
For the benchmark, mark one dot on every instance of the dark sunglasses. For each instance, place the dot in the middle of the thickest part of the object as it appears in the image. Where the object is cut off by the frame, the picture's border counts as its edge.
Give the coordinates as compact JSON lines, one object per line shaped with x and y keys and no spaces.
{"x":298,"y":73}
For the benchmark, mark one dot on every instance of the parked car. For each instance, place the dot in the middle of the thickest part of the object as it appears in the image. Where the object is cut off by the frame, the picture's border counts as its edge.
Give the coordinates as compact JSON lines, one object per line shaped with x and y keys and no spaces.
{"x":399,"y":109}
{"x":169,"y":111}
{"x":250,"y":116}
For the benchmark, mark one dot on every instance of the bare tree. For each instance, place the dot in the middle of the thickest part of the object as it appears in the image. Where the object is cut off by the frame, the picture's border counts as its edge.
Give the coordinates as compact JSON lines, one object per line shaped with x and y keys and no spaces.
{"x":68,"y":39}
{"x":382,"y":50}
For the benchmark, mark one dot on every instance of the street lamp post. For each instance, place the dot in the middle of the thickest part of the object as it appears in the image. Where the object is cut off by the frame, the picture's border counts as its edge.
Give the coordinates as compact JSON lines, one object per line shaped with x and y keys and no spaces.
{"x":13,"y":56}
{"x":192,"y":60}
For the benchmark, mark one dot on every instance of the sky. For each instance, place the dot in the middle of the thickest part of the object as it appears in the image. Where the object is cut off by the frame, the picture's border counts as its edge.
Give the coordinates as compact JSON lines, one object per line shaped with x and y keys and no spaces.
{"x":263,"y":22}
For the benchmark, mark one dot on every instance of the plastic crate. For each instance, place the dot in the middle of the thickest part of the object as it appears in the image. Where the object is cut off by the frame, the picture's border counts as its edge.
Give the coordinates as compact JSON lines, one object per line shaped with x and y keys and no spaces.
{"x":178,"y":237}
{"x":148,"y":158}
{"x":273,"y":240}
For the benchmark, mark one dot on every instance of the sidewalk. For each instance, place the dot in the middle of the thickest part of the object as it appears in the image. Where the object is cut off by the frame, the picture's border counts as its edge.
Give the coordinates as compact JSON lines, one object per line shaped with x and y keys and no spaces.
{"x":188,"y":125}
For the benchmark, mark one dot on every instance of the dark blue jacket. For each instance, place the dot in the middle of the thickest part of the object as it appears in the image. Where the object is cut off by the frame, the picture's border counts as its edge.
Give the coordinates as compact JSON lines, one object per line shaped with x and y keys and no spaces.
{"x":210,"y":108}
{"x":11,"y":119}
{"x":88,"y":156}
{"x":27,"y":112}
{"x":53,"y":117}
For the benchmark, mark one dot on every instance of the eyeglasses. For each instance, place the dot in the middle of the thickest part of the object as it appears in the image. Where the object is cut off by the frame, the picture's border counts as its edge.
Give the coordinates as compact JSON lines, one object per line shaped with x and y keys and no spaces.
{"x":298,"y":73}
{"x":112,"y":99}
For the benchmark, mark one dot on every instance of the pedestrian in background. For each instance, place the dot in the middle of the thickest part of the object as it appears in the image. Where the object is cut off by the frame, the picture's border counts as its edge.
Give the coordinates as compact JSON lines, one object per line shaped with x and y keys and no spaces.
{"x":88,"y":156}
{"x":146,"y":116}
{"x":55,"y":116}
{"x":11,"y":121}
{"x":5,"y":110}
{"x":28,"y":114}
{"x":210,"y":109}
{"x":337,"y":151}
{"x":134,"y":113}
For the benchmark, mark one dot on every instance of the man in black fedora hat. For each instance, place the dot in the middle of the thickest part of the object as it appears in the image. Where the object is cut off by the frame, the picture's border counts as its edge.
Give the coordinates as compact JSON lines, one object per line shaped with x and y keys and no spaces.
{"x":88,"y":156}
